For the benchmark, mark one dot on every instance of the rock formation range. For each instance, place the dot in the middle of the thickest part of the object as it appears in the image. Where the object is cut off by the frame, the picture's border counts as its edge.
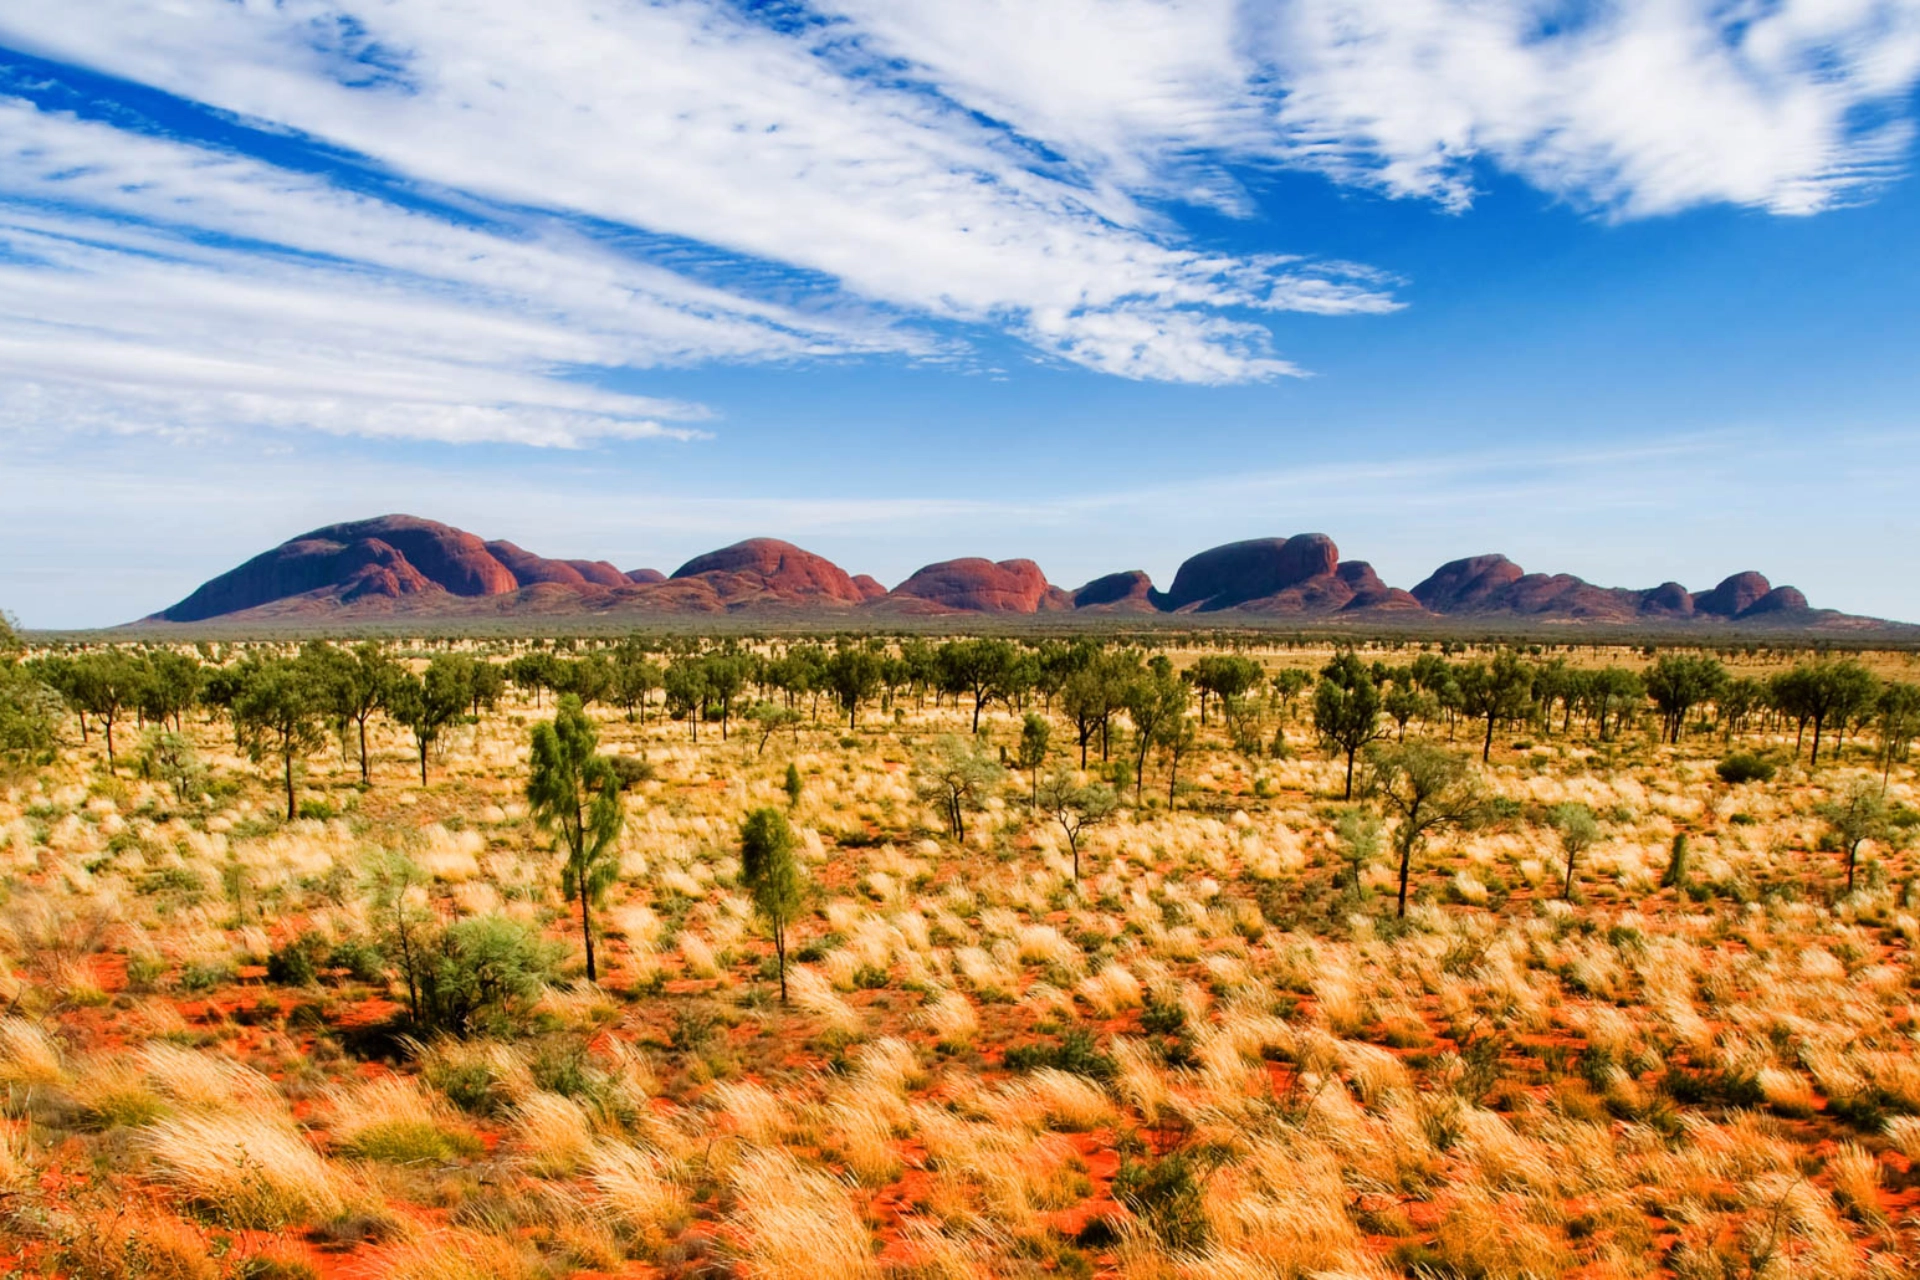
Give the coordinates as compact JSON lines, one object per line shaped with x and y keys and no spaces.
{"x":403,"y":567}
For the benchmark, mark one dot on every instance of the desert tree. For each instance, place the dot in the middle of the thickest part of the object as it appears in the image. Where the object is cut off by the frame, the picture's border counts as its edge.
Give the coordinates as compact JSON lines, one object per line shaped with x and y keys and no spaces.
{"x":955,"y":778}
{"x":356,"y":685}
{"x":1824,"y":693}
{"x":852,"y":676}
{"x":1577,"y":827}
{"x":635,"y":677}
{"x":1897,"y":716}
{"x":590,"y":679}
{"x":280,"y":714}
{"x":391,"y":879}
{"x":1285,"y":685}
{"x":534,"y":672}
{"x":1035,"y":733}
{"x":1346,"y":710}
{"x":727,"y":675}
{"x":30,"y":708}
{"x":685,"y":683}
{"x":1176,"y":738}
{"x":106,"y":686}
{"x":573,"y":793}
{"x":1091,"y":694}
{"x":1610,"y":696}
{"x":169,"y":685}
{"x":487,"y":685}
{"x":770,"y":868}
{"x":1494,"y":692}
{"x":1426,"y":789}
{"x":1356,"y":837}
{"x":978,"y":667}
{"x":1853,"y":818}
{"x":1406,"y":702}
{"x":1679,"y":682}
{"x":770,"y":718}
{"x":792,"y":785}
{"x":1223,"y":676}
{"x":1153,"y":701}
{"x":1076,"y":807}
{"x":428,"y":704}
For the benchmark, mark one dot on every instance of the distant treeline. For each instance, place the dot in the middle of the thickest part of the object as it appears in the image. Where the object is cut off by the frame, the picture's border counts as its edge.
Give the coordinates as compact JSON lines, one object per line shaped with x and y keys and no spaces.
{"x":282,"y":702}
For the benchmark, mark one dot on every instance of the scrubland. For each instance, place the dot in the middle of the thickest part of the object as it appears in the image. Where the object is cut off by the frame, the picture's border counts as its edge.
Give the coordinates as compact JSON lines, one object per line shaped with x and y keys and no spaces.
{"x":1217,"y":1053}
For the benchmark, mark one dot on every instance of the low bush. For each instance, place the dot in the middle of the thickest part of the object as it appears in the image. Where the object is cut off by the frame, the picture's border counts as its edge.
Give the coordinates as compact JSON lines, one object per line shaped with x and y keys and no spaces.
{"x":1744,"y":766}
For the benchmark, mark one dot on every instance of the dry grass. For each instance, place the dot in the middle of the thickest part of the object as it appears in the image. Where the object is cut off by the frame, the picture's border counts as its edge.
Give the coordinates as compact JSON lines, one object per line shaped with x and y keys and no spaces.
{"x":1237,"y":1066}
{"x":252,"y":1170}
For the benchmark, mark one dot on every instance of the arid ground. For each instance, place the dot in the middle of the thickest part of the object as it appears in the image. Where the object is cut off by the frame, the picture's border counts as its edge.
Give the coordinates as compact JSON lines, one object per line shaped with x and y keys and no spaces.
{"x":1218,"y":1052}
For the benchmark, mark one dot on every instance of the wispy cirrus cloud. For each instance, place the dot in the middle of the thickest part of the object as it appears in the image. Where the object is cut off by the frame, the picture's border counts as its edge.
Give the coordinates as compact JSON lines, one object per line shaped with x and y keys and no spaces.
{"x":1633,"y":107}
{"x":457,"y":220}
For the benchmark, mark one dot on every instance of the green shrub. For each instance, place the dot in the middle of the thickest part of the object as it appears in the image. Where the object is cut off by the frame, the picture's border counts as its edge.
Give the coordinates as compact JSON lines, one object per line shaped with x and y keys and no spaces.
{"x":482,"y":971}
{"x":293,"y":964}
{"x":631,"y":771}
{"x":1744,"y":766}
{"x":1076,"y":1053}
{"x":1166,"y":1196}
{"x":205,"y":976}
{"x":412,"y":1142}
{"x":360,"y":958}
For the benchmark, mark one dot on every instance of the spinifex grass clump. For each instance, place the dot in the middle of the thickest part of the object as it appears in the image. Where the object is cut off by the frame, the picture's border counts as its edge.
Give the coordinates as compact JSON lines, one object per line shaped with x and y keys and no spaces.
{"x":1037,"y":1022}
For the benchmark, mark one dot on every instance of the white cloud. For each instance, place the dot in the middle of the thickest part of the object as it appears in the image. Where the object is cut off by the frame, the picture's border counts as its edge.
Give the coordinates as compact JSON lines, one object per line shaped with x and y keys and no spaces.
{"x":908,"y":172}
{"x":683,"y":120}
{"x":1636,"y":108}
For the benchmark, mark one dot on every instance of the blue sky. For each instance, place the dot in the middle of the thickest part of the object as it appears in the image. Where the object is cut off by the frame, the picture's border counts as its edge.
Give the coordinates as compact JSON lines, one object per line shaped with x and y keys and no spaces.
{"x":1624,"y":290}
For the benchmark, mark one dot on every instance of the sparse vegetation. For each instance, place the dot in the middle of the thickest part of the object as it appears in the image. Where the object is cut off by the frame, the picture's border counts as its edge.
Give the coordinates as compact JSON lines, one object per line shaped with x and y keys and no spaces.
{"x":1599,"y":968}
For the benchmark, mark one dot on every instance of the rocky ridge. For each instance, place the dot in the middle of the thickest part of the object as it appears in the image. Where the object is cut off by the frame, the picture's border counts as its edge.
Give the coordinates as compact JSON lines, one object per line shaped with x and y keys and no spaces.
{"x":404,"y":566}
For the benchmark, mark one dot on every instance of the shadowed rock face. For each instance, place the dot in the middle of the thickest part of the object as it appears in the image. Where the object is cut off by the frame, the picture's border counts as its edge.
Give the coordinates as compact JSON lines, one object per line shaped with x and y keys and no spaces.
{"x":1129,"y":592}
{"x":528,"y":568}
{"x":407,"y":556}
{"x":1495,"y":585}
{"x":1734,"y":596}
{"x":984,"y":586}
{"x":774,"y":567}
{"x":1241,"y":571}
{"x":1460,"y":586}
{"x":1669,"y":599}
{"x":1778,"y":600}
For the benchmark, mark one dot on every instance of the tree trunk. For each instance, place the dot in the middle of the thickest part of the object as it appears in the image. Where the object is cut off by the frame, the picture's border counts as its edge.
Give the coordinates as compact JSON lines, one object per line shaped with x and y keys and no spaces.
{"x":423,"y":762}
{"x":1406,"y":864}
{"x":366,"y":773}
{"x":586,"y":929}
{"x":1349,"y":792}
{"x":1486,"y":748}
{"x":289,"y":760}
{"x":780,"y":955}
{"x":1815,"y":759}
